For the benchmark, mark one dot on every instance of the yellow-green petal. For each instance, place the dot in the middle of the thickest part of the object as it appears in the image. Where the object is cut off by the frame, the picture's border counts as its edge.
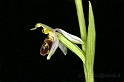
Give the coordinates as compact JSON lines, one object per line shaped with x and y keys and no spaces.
{"x":73,"y":47}
{"x":46,"y":29}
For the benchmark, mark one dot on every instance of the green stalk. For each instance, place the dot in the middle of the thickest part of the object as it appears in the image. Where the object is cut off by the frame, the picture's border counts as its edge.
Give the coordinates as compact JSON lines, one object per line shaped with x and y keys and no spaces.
{"x":89,"y":40}
{"x":81,"y":21}
{"x":82,"y":27}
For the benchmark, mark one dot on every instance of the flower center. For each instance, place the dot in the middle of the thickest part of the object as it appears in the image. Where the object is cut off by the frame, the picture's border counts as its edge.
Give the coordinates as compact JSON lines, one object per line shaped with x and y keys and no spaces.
{"x":46,"y":46}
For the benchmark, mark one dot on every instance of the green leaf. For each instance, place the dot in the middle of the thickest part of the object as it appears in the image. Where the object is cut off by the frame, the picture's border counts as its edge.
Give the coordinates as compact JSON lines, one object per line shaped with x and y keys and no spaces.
{"x":90,"y":46}
{"x":73,"y":47}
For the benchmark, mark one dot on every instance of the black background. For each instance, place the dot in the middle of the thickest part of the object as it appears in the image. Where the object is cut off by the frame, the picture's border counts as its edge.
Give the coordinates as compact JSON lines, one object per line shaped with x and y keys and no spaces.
{"x":20,"y":58}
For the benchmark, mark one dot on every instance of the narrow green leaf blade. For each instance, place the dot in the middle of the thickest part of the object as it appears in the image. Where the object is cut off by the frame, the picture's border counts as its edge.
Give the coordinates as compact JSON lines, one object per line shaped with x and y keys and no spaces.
{"x":90,"y":46}
{"x":73,"y":47}
{"x":90,"y":49}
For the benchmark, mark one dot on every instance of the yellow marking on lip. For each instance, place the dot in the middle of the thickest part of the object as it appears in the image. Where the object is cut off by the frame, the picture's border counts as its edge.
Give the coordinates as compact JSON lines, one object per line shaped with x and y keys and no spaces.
{"x":47,"y":31}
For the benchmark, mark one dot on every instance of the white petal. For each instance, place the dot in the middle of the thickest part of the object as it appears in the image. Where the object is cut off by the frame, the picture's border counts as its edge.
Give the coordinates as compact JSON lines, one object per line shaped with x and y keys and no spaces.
{"x":54,"y":47}
{"x":70,"y":37}
{"x":63,"y":48}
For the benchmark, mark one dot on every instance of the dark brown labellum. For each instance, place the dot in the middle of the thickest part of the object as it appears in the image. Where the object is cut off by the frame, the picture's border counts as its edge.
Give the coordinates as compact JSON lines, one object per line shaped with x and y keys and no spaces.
{"x":46,"y":46}
{"x":49,"y":42}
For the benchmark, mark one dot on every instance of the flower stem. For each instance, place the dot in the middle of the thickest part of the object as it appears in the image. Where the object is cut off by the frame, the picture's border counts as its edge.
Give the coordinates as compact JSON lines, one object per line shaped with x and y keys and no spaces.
{"x":81,"y":21}
{"x":82,"y":27}
{"x":89,"y":41}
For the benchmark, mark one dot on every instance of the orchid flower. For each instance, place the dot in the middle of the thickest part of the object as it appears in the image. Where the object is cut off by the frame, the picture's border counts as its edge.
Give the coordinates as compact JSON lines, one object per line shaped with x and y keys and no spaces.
{"x":59,"y":38}
{"x":52,"y":42}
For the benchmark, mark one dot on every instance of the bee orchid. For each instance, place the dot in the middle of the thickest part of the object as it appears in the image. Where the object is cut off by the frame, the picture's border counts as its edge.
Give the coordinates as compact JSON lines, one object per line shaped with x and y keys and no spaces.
{"x":52,"y":42}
